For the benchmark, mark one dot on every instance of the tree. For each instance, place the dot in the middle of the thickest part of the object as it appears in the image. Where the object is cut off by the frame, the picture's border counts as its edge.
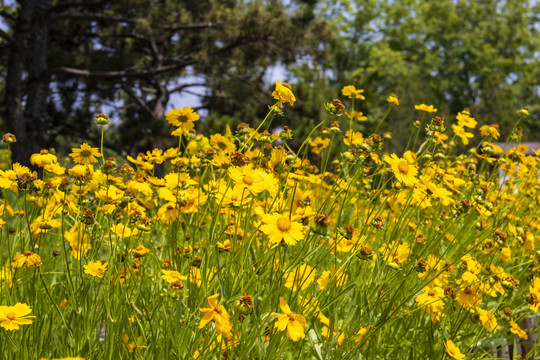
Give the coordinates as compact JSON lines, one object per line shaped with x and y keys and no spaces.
{"x":449,"y":53}
{"x":66,"y":59}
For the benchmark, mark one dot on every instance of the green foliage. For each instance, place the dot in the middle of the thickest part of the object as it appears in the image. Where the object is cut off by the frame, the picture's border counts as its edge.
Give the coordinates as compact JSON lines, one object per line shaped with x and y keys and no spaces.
{"x":478,"y":54}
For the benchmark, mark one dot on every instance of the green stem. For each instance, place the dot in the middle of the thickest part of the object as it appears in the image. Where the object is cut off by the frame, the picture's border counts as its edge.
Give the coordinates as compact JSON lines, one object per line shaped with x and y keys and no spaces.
{"x":101,"y":148}
{"x":384,"y":117}
{"x":54,"y":303}
{"x":256,"y":130}
{"x":419,"y":130}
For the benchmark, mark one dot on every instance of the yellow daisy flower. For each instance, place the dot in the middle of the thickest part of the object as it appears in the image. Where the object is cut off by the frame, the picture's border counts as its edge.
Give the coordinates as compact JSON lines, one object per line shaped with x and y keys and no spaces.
{"x":95,"y":268}
{"x":295,"y":324}
{"x":352,"y":93}
{"x":278,"y":227}
{"x":172,"y":276}
{"x":13,"y":316}
{"x":300,"y":277}
{"x":85,"y":154}
{"x":392,"y":99}
{"x":515,"y":329}
{"x":43,"y":158}
{"x":426,"y":108}
{"x":219,"y":314}
{"x":27,"y":259}
{"x":403,"y":171}
{"x":183,"y":119}
{"x":460,"y":131}
{"x":283,"y":93}
{"x":319,"y":144}
{"x":453,"y":351}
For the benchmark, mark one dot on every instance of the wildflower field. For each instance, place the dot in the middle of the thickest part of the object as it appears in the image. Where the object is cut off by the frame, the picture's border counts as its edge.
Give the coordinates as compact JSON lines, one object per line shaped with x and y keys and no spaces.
{"x":245,"y":249}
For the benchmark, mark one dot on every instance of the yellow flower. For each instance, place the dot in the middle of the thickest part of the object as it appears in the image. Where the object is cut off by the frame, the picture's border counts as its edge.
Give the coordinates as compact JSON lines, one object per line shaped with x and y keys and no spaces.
{"x":155,"y":156}
{"x":248,"y":178}
{"x":534,"y":295}
{"x":432,"y":299}
{"x":466,"y":120}
{"x":301,"y":277}
{"x":487,"y":319}
{"x":8,"y":178}
{"x":85,"y":154}
{"x":168,"y":212}
{"x":283,"y":93}
{"x":196,"y":277}
{"x":172,"y":276}
{"x":294,"y":323}
{"x":453,"y":351}
{"x":356,"y":115}
{"x":27,"y":258}
{"x":237,"y":196}
{"x":183,"y":119}
{"x":122,"y":230}
{"x":219,"y":314}
{"x":278,"y":227}
{"x":55,"y":168}
{"x":140,"y":250}
{"x":13,"y":316}
{"x":337,"y":329}
{"x":222,"y":143}
{"x":426,"y":108}
{"x":395,"y":253}
{"x":392,"y":99}
{"x":78,"y":240}
{"x":43,"y":158}
{"x":360,"y":334}
{"x":490,"y":130}
{"x":506,"y":254}
{"x":441,"y":138}
{"x":403,"y":171}
{"x":319,"y":144}
{"x":132,"y":346}
{"x":515,"y":329}
{"x":82,"y":170}
{"x":6,"y":275}
{"x":522,"y":148}
{"x":352,"y":93}
{"x":95,"y":268}
{"x":468,"y":295}
{"x":460,"y":131}
{"x":338,"y":278}
{"x":42,"y":225}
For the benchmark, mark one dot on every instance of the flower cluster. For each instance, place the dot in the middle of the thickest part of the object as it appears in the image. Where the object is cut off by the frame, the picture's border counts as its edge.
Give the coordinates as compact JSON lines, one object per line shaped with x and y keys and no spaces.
{"x":239,"y":246}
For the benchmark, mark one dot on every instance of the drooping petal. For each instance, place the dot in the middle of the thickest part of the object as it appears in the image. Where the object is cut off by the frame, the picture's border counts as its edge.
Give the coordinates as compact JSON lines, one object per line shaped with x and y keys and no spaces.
{"x":295,"y":330}
{"x":208,"y":316}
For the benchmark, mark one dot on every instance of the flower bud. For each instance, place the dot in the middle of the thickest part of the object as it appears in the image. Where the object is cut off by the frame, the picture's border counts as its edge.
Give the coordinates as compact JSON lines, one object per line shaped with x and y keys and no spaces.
{"x":365,"y":253}
{"x":524,"y":111}
{"x":9,"y":138}
{"x":176,"y":290}
{"x":285,"y":134}
{"x":102,"y":119}
{"x":244,"y":304}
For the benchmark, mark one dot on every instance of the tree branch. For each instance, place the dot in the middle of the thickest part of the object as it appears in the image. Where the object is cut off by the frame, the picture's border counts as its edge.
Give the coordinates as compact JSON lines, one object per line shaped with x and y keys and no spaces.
{"x":102,"y":17}
{"x":183,"y":86}
{"x":128,"y":73}
{"x":84,"y":3}
{"x":176,"y":27}
{"x":137,"y":99}
{"x":97,"y":17}
{"x":8,"y":38}
{"x":6,"y":15}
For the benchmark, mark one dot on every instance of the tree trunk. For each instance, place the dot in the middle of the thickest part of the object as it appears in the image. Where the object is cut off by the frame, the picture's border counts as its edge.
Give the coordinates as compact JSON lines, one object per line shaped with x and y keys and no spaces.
{"x":26,"y":82}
